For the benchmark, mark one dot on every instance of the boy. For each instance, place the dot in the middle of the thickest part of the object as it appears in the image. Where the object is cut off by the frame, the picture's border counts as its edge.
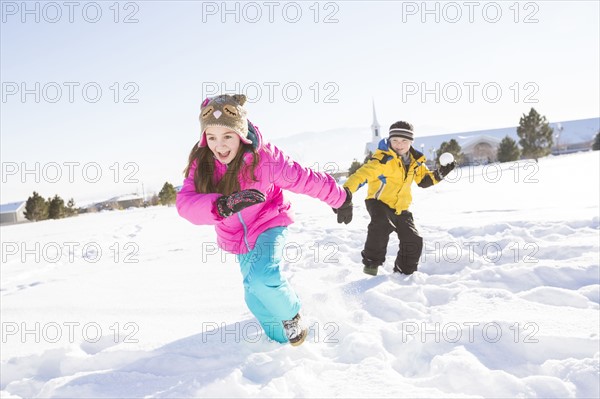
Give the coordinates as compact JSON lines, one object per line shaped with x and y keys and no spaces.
{"x":390,"y":173}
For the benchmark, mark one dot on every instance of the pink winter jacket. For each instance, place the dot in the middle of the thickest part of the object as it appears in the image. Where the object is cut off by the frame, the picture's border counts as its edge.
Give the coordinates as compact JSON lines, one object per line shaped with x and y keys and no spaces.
{"x":275,"y":171}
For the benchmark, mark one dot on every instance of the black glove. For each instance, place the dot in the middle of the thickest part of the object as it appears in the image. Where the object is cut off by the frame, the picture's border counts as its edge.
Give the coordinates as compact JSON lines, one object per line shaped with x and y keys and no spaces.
{"x":344,"y":212}
{"x":227,"y":205}
{"x":443,"y":170}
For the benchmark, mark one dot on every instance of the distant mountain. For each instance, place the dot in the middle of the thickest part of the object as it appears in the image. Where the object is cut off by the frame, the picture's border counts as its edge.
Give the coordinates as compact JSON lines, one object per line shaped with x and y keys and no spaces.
{"x":337,"y":146}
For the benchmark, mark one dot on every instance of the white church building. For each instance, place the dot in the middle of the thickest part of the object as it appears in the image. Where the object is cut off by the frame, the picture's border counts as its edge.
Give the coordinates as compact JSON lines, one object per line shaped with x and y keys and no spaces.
{"x":482,"y":149}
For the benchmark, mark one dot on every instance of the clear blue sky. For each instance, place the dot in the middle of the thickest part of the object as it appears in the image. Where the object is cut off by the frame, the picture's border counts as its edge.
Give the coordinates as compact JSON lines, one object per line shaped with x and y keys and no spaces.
{"x":369,"y":50}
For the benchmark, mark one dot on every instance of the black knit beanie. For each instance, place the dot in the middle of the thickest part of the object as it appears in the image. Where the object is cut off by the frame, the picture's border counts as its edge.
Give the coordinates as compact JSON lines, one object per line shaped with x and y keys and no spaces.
{"x":402,"y":129}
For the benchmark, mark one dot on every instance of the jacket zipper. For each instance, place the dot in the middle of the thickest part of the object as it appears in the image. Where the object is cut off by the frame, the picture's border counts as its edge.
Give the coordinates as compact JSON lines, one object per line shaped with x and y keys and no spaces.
{"x":406,"y":179}
{"x":378,"y":193}
{"x":405,"y":170}
{"x":245,"y":230}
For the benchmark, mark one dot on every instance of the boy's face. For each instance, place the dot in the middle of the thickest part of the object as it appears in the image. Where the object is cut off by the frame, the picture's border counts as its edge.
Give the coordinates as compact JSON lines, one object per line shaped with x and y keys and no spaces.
{"x":223,"y":142}
{"x":400,"y":145}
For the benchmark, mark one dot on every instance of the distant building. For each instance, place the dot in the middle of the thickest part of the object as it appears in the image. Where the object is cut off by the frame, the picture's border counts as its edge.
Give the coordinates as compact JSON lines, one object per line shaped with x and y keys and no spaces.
{"x":12,"y":213}
{"x":122,"y":202}
{"x":477,"y":146}
{"x":480,"y":150}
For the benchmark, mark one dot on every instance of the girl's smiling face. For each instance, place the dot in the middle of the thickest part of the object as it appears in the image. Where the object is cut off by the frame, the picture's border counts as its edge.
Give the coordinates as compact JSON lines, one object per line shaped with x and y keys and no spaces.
{"x":223,"y":142}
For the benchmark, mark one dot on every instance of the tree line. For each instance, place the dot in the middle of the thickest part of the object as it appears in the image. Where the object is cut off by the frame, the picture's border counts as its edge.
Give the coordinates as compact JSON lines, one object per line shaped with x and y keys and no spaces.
{"x":38,"y":208}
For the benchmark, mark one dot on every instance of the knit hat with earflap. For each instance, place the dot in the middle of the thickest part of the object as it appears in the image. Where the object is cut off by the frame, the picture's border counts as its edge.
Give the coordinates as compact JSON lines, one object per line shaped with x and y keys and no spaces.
{"x":225,"y":111}
{"x":402,"y":129}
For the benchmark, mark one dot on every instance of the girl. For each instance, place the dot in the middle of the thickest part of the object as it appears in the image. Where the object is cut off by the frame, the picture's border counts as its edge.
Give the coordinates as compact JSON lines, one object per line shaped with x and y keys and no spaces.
{"x":234,"y":181}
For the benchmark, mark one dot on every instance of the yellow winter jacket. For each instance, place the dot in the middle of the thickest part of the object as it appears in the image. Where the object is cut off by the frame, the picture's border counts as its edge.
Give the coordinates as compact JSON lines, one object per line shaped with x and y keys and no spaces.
{"x":388,"y":179}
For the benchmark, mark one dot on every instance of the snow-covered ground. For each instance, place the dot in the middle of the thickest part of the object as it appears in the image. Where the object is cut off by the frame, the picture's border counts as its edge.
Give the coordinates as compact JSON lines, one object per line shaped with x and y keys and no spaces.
{"x":139,"y":303}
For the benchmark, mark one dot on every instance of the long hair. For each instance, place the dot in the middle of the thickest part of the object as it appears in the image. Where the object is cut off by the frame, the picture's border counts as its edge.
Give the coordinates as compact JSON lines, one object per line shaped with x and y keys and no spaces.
{"x":204,"y":179}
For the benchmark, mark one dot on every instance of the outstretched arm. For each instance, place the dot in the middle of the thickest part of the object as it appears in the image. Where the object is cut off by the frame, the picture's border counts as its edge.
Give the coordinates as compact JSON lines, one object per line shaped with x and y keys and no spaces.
{"x":426,"y":178}
{"x":290,"y":175}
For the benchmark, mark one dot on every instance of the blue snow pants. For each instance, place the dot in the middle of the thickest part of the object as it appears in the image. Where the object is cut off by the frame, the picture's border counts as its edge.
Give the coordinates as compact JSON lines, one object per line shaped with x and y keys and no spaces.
{"x":268,"y":295}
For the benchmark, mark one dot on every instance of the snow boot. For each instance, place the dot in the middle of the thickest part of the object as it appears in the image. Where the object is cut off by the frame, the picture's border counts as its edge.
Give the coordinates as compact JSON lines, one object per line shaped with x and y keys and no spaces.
{"x":295,"y":333}
{"x":371,"y":265}
{"x":371,"y":270}
{"x":407,"y":270}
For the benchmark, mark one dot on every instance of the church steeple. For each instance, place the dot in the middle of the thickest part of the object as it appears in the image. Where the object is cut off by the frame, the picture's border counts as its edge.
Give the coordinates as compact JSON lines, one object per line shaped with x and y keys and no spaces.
{"x":375,"y":128}
{"x":371,"y":146}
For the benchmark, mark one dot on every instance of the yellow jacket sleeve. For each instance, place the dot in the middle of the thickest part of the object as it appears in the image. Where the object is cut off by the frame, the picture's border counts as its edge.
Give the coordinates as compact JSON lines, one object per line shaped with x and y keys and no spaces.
{"x":368,"y":171}
{"x":424,"y":177}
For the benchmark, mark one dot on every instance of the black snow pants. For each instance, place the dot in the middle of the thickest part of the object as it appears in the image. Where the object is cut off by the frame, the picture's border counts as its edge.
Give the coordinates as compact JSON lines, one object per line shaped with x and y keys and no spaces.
{"x":384,"y":221}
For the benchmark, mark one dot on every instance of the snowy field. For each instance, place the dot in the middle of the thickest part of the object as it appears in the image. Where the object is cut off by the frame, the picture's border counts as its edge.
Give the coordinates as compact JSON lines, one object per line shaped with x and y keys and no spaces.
{"x":139,"y":303}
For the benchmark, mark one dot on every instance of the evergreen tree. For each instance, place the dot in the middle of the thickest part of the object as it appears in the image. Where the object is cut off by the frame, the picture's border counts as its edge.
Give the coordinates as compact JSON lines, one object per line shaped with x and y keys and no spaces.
{"x":36,"y":208}
{"x":508,"y":150}
{"x":167,"y":194}
{"x":453,"y":148}
{"x":354,"y":166}
{"x":535,"y":135}
{"x":596,"y":145}
{"x":56,"y":208}
{"x":70,"y":210}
